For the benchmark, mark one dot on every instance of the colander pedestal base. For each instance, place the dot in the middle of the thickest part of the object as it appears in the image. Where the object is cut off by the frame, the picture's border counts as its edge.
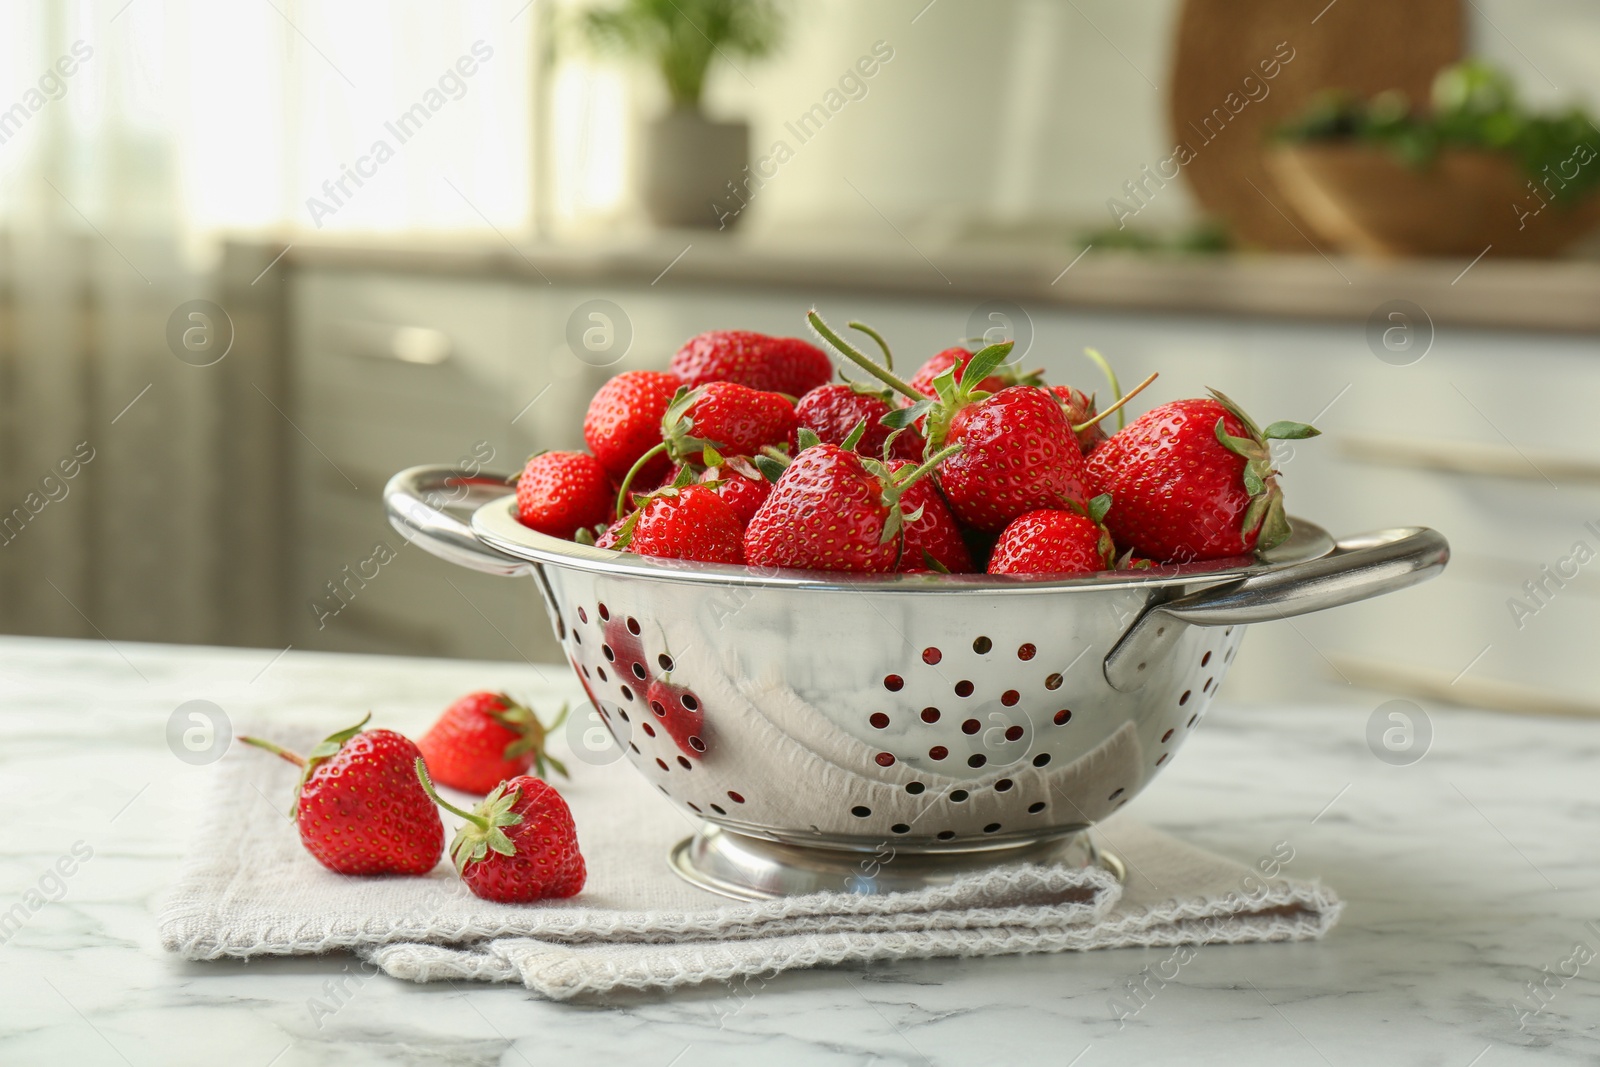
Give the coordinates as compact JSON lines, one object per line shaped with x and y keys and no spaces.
{"x":749,"y":868}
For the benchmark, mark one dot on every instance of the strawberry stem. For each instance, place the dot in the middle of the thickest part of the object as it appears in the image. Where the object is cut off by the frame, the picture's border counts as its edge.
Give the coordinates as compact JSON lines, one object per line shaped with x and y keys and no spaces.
{"x":1117,"y":407}
{"x":888,"y":356}
{"x":929,"y":464}
{"x":292,"y":757}
{"x":633,"y":472}
{"x":433,"y":794}
{"x":859,"y":358}
{"x":1111,"y":377}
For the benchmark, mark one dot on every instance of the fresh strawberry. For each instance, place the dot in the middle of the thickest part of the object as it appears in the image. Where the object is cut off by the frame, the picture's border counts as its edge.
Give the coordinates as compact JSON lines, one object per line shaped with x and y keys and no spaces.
{"x":734,"y":419}
{"x":624,"y":421}
{"x":687,"y":521}
{"x":1018,"y":454}
{"x":518,"y":846}
{"x":358,"y":805}
{"x":485,"y":738}
{"x":680,"y":714}
{"x":740,"y":484}
{"x":1055,"y":542}
{"x":833,"y":411}
{"x":957,"y":357}
{"x":1079,"y":408}
{"x":832,"y":510}
{"x":560,"y":493}
{"x":933,"y":539}
{"x":1193,"y":480}
{"x":774,"y":364}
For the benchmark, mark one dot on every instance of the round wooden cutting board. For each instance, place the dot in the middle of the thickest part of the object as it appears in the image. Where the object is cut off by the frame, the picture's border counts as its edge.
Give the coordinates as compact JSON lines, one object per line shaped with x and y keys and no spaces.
{"x":1365,"y":46}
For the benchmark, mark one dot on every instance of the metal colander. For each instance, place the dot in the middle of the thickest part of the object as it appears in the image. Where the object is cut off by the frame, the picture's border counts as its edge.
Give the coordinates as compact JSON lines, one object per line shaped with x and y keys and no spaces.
{"x":811,"y":719}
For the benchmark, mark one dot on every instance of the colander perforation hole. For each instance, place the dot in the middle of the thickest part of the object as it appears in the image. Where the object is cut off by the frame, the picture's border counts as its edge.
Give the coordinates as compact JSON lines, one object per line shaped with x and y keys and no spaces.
{"x":633,"y":626}
{"x":884,"y":759}
{"x":1205,"y":659}
{"x":1010,"y":697}
{"x":963,"y":688}
{"x":1207,"y":687}
{"x":1166,"y":737}
{"x":893,"y":683}
{"x":638,"y":671}
{"x":977,"y":759}
{"x":665,"y":661}
{"x":1053,"y":682}
{"x":1003,"y":785}
{"x":685,"y":764}
{"x":627,"y":694}
{"x":662,"y":764}
{"x":691,"y":701}
{"x":991,"y":828}
{"x":735,"y":797}
{"x":1027,"y":651}
{"x":1013,"y":733}
{"x":861,"y":811}
{"x":1062,"y":717}
{"x":945,"y":835}
{"x":1192,"y":719}
{"x":959,"y":796}
{"x":586,"y":673}
{"x":634,"y":747}
{"x":930,"y":715}
{"x":1041,"y":759}
{"x":971,"y":726}
{"x":601,"y":671}
{"x":696,"y":743}
{"x":649,"y":731}
{"x":577,"y":638}
{"x":938,"y":752}
{"x":932,"y":656}
{"x":879,"y":720}
{"x":1116,"y":793}
{"x":915,"y":788}
{"x":1163,"y":758}
{"x":900,"y":828}
{"x":982,"y":645}
{"x":657,"y":707}
{"x":1036,"y":807}
{"x":583,"y":616}
{"x":718,"y":809}
{"x":623,"y":712}
{"x":605,"y":613}
{"x":693,"y":806}
{"x":1185,"y":698}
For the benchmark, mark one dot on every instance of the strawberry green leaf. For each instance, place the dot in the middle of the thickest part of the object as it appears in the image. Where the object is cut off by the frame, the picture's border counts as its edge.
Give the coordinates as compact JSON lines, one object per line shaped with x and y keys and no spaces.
{"x":985,"y":363}
{"x":1290,"y":431}
{"x":853,"y":438}
{"x":710,"y":457}
{"x":1099,"y":506}
{"x":900,"y":418}
{"x":806,"y":438}
{"x":771,"y":469}
{"x":933,"y":564}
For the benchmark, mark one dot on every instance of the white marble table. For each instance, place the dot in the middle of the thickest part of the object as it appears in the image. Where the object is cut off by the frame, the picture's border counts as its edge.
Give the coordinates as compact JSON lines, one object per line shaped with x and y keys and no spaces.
{"x":1468,"y":875}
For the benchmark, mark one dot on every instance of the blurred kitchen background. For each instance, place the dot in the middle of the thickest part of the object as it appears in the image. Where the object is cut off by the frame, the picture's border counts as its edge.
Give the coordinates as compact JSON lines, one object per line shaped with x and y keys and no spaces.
{"x":257,"y":256}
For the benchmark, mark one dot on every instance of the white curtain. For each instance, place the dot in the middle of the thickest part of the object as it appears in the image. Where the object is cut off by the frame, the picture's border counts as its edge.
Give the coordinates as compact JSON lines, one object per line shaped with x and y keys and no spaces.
{"x":134,"y":136}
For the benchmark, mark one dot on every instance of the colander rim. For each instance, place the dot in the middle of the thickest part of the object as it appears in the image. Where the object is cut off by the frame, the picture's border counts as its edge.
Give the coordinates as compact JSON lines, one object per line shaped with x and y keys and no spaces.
{"x":495,"y":524}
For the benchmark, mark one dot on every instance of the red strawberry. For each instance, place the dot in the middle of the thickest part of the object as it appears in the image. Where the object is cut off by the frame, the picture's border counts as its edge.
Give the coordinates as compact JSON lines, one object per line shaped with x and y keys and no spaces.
{"x":681,"y":716}
{"x":1079,"y":409}
{"x":933,"y":534}
{"x":833,"y":411}
{"x":519,"y":845}
{"x":1017,"y":454}
{"x":775,"y":364}
{"x":1016,"y":451}
{"x":958,"y":357}
{"x":740,"y":485}
{"x":560,"y":493}
{"x":1193,"y":480}
{"x":733,"y":418}
{"x":832,"y":510}
{"x":1055,"y":542}
{"x":485,"y":738}
{"x":685,"y":522}
{"x":358,"y":805}
{"x":624,"y":420}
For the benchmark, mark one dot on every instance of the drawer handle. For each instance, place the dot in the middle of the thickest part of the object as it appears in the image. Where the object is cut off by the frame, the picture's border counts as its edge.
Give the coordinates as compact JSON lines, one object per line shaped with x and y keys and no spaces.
{"x":1469,"y":457}
{"x":420,"y":346}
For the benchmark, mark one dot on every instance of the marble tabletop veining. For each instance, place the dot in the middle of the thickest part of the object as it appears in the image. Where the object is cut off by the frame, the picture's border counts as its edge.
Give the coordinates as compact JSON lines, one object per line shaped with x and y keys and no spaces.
{"x":1471,"y":936}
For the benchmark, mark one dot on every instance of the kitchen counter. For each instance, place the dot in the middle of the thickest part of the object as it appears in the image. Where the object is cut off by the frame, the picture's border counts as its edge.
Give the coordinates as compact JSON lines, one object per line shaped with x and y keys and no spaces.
{"x":1468,"y":875}
{"x":1552,"y":295}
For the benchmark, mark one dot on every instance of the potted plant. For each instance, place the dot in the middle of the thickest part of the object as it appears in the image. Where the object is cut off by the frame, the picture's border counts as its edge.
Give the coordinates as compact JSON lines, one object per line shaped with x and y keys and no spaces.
{"x":1475,"y":170}
{"x":688,"y":158}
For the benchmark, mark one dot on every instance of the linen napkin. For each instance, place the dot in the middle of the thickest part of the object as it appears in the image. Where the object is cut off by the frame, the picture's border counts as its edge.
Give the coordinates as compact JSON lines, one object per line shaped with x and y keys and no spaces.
{"x":248,"y":888}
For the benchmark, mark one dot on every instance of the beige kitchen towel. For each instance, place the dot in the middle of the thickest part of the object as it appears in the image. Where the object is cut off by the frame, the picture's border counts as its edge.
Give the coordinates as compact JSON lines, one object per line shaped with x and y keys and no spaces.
{"x":248,"y":888}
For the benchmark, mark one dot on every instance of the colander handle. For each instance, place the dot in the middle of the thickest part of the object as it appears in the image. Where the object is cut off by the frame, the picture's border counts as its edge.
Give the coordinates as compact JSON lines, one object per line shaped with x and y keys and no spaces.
{"x":416,"y":500}
{"x":1359,"y":567}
